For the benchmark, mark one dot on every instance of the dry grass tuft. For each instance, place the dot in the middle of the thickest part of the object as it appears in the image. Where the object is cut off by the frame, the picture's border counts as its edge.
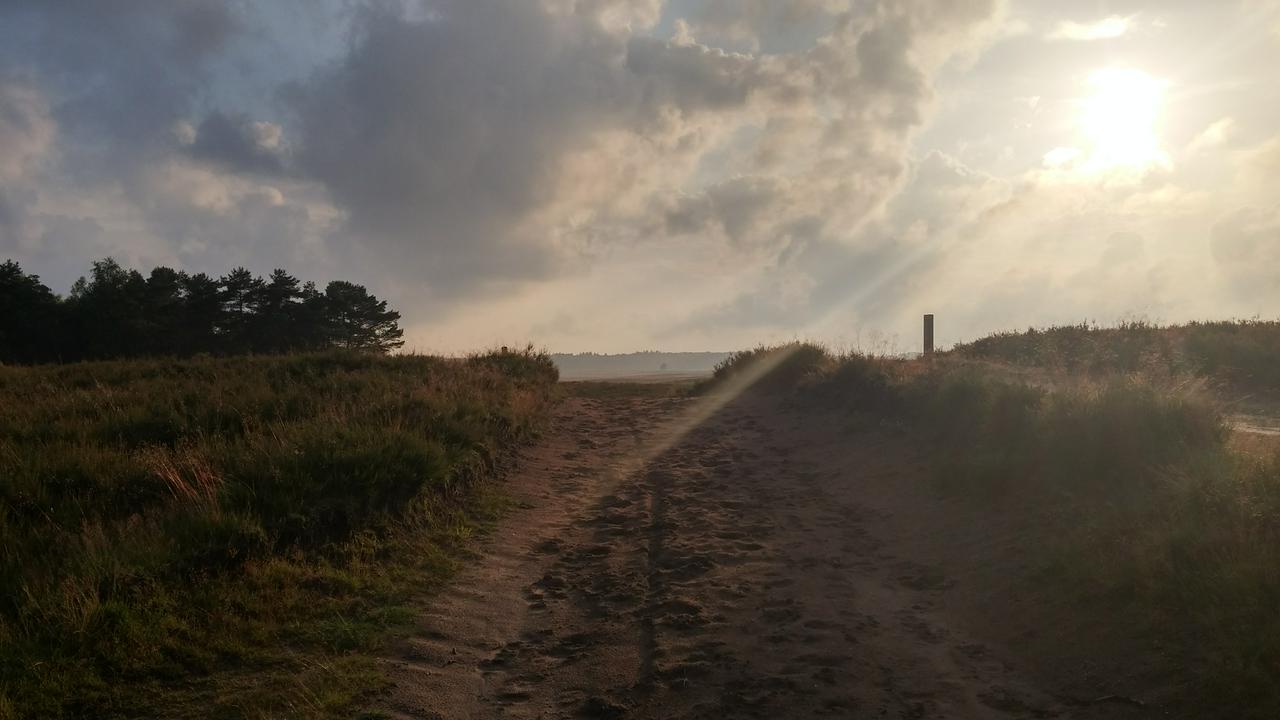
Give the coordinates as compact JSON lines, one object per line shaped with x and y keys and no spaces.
{"x":188,"y":475}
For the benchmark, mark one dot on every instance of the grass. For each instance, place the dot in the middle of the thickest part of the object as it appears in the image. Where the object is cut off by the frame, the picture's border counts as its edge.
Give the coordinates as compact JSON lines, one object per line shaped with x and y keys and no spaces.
{"x":233,"y":537}
{"x":1240,"y":354}
{"x":1129,"y":482}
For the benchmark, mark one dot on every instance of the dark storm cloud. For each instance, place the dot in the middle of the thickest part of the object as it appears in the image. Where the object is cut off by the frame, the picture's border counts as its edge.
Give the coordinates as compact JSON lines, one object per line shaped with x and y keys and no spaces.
{"x":734,"y":207}
{"x":238,"y":144}
{"x":691,"y":77}
{"x":444,"y":137}
{"x":434,"y":135}
{"x":124,"y":71}
{"x":440,"y":137}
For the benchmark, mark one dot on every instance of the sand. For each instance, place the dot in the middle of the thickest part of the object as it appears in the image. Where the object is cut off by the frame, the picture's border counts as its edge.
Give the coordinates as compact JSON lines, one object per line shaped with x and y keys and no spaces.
{"x":760,"y":562}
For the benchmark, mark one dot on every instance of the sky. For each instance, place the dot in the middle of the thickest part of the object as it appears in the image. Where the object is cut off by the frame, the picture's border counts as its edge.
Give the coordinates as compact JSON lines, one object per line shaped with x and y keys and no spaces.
{"x":619,"y":175}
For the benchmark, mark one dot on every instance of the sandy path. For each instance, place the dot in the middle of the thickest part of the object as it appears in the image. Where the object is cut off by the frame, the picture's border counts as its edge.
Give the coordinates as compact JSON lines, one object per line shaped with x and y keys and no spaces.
{"x":1268,"y":425}
{"x":764,"y":564}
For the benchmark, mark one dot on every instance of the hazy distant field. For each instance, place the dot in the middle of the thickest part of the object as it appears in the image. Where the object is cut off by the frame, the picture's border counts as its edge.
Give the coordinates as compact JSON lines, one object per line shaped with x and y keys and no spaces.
{"x":637,"y":367}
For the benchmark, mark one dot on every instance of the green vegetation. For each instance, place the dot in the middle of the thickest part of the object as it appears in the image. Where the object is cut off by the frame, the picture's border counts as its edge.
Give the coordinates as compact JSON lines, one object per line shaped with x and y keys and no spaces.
{"x":1129,"y":481}
{"x":1242,"y":354}
{"x":245,"y":529}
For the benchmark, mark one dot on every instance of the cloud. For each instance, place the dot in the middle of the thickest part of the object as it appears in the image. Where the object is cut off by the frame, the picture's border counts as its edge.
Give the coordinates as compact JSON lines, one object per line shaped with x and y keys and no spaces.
{"x":238,"y":144}
{"x":127,"y":172}
{"x":820,"y":286}
{"x":27,"y":128}
{"x":1261,"y":163}
{"x":1246,"y":249}
{"x":27,"y":133}
{"x":459,"y":153}
{"x":1104,"y":29}
{"x":501,"y":142}
{"x":737,"y":209}
{"x":751,"y":23}
{"x":122,"y":72}
{"x":1212,"y":137}
{"x":700,"y":171}
{"x":1122,"y":247}
{"x":441,"y":138}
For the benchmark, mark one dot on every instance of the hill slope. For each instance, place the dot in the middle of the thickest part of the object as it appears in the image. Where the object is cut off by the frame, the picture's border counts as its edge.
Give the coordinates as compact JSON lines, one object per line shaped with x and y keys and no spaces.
{"x":167,"y":522}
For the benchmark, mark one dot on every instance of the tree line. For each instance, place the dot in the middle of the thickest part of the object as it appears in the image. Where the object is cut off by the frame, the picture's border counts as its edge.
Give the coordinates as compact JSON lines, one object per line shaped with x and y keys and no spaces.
{"x":120,"y":313}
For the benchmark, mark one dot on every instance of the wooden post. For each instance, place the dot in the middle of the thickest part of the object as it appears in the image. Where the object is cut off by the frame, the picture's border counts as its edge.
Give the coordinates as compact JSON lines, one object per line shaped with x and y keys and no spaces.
{"x":928,"y":335}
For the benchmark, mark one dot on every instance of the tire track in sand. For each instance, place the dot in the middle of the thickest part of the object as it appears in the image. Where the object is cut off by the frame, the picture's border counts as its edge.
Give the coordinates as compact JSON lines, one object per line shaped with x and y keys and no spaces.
{"x":731,"y":571}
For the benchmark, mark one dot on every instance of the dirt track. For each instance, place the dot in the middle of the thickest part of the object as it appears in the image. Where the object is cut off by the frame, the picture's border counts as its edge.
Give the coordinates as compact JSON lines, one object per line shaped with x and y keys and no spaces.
{"x":755,"y":563}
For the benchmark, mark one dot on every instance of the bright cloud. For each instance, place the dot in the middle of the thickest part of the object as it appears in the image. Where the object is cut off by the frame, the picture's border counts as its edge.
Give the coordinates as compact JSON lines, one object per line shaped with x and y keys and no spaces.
{"x":1213,"y":137}
{"x":1104,"y":29}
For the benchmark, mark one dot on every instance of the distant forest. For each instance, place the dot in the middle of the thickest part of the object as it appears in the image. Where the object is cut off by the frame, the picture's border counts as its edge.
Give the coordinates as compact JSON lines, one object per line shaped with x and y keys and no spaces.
{"x":119,"y":313}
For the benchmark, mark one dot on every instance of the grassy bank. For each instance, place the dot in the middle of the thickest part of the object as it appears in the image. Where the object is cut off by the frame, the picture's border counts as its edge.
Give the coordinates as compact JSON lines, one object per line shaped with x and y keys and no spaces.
{"x":228,"y":537}
{"x":1137,"y":500}
{"x":1240,"y":354}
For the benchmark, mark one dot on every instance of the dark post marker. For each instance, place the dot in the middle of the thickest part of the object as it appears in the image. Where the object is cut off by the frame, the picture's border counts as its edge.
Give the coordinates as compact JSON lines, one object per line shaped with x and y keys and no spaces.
{"x":928,"y":335}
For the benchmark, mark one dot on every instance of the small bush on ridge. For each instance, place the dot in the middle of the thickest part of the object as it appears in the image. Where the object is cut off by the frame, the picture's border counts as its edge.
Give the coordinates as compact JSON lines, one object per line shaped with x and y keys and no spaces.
{"x":773,"y":368}
{"x":1240,"y":353}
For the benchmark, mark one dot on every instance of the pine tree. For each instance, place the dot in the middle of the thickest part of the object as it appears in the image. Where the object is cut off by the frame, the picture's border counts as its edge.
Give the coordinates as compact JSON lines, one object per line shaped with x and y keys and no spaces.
{"x":275,"y":312}
{"x":241,"y":293}
{"x":360,"y":321}
{"x":117,"y":313}
{"x":162,"y":311}
{"x":29,"y":318}
{"x":107,"y":312}
{"x":203,"y":318}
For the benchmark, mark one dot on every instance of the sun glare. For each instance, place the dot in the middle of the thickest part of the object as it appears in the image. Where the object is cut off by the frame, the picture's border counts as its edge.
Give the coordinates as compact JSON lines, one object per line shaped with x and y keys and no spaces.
{"x":1118,"y":119}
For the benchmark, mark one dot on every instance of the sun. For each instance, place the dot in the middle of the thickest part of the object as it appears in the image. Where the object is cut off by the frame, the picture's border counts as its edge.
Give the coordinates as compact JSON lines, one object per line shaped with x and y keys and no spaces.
{"x":1118,"y":120}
